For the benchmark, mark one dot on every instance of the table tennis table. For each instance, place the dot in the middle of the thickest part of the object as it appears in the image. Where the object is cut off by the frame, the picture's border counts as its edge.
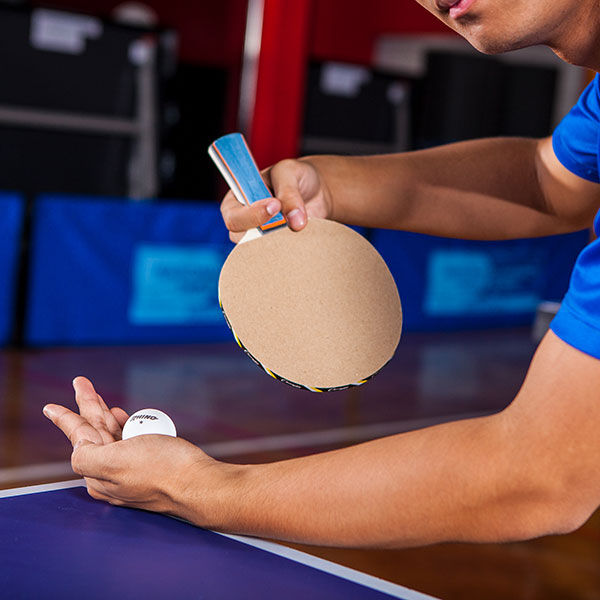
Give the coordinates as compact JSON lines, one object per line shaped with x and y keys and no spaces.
{"x":57,"y":542}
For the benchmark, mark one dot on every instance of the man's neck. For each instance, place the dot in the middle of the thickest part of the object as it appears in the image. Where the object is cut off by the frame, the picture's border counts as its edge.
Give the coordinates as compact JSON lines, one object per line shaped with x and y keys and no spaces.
{"x":578,"y":40}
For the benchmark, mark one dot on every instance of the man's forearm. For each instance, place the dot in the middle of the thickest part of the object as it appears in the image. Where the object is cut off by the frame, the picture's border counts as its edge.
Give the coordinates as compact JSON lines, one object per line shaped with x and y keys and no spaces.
{"x":450,"y":482}
{"x":479,"y":189}
{"x":529,"y":470}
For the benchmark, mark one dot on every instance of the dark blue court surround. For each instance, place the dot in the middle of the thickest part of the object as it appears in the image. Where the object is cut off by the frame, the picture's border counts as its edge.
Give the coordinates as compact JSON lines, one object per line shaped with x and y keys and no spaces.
{"x":63,"y":544}
{"x":448,"y":284}
{"x":112,"y":271}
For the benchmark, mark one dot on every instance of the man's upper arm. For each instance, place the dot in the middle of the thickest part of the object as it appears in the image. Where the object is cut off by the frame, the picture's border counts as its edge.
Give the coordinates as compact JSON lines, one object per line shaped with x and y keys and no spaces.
{"x":568,"y":196}
{"x":567,"y":163}
{"x":555,"y":422}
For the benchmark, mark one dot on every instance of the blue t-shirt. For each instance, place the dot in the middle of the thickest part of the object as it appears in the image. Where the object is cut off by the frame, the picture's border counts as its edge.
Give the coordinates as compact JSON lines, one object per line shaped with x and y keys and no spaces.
{"x":576,"y":143}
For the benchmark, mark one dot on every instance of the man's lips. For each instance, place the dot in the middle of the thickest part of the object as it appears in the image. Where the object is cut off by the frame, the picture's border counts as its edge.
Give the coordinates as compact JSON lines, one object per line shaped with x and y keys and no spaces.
{"x":456,"y":8}
{"x":445,"y":5}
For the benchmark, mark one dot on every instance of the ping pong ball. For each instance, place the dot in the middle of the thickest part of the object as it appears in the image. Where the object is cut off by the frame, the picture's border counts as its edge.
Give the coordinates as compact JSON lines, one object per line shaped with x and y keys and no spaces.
{"x":148,"y":420}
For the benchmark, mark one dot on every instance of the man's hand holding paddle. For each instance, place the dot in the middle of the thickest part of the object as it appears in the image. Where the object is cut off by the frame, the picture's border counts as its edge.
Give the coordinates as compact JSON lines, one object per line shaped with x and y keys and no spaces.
{"x":299,"y":192}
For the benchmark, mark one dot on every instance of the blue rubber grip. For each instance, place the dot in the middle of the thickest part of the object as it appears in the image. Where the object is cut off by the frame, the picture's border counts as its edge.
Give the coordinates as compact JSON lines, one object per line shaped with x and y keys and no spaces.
{"x":237,"y":165}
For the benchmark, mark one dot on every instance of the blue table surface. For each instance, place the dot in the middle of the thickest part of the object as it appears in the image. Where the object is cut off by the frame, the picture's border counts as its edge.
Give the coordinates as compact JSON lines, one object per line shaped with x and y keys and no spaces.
{"x":64,"y":544}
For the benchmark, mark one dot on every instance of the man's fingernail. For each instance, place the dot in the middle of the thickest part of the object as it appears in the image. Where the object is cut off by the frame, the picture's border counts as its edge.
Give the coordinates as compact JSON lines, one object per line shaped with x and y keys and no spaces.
{"x":78,"y":444}
{"x":296,"y":218}
{"x":46,"y":412}
{"x":272,"y":207}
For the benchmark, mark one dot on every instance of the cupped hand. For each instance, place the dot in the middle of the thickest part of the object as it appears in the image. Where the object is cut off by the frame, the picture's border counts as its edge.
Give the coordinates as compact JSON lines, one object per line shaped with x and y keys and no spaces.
{"x":149,"y":471}
{"x":299,"y":192}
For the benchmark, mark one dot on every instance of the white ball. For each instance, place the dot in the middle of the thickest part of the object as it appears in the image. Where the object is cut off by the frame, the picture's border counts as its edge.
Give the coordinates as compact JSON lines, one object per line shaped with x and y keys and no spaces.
{"x":148,"y":420}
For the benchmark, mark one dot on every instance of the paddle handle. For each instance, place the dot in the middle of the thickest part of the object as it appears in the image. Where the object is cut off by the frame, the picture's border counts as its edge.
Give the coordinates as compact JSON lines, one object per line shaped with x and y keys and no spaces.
{"x":237,"y":165}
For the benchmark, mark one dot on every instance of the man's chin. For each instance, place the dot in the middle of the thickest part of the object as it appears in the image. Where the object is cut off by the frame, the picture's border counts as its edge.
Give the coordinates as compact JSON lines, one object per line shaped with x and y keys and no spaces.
{"x":486,"y":45}
{"x":489,"y":49}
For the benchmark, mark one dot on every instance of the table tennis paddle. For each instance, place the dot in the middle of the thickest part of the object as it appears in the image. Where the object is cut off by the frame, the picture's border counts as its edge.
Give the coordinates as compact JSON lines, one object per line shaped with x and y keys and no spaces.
{"x":317,"y":308}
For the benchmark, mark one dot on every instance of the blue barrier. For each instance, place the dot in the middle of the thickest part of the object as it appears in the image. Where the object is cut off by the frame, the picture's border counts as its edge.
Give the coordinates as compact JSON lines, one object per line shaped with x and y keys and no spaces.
{"x":109,"y":271}
{"x":456,"y":284}
{"x":11,"y":227}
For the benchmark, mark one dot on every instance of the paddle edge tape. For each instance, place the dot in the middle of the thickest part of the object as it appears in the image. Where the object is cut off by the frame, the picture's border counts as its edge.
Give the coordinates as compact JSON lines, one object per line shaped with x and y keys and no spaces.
{"x":293,"y":384}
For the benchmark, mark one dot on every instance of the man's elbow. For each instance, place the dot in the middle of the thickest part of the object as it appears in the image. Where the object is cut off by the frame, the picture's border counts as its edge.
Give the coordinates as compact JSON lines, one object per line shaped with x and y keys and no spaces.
{"x":562,"y":507}
{"x":577,"y":500}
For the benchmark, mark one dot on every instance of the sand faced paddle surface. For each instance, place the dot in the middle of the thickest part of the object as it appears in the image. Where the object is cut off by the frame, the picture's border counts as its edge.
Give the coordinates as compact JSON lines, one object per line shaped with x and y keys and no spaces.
{"x":316,"y":308}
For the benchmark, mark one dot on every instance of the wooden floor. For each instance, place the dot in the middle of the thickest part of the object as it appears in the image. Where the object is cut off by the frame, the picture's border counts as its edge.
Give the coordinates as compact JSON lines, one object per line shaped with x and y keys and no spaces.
{"x":220,"y":400}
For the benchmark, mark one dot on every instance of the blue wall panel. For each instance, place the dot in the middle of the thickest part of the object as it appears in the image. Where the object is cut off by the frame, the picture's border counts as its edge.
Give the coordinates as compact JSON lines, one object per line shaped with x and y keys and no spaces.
{"x":455,"y":284}
{"x":11,"y":227}
{"x":107,"y":271}
{"x":111,"y":271}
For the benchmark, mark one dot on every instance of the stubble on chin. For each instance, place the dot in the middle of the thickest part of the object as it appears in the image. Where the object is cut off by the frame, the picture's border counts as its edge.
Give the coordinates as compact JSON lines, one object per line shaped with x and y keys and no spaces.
{"x":488,"y":41}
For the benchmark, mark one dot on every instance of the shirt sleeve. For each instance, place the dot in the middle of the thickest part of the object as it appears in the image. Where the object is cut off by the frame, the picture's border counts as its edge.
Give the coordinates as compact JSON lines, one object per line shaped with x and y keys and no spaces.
{"x":575,"y":140}
{"x":578,"y":320}
{"x":576,"y":145}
